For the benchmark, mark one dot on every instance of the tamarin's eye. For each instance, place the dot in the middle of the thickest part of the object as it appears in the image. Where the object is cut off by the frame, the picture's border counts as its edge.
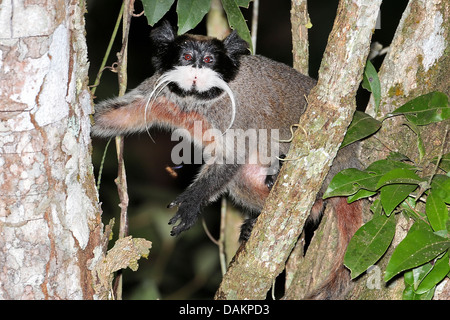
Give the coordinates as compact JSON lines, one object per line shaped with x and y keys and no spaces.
{"x":208,"y":59}
{"x":187,"y":57}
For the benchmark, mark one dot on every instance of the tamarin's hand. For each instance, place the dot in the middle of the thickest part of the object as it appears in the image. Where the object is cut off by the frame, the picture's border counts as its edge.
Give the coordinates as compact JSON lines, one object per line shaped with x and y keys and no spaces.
{"x":209,"y":184}
{"x":187,"y":214}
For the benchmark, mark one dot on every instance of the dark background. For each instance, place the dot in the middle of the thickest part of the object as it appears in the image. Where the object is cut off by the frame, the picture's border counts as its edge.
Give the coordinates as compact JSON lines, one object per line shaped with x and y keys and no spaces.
{"x":186,"y":267}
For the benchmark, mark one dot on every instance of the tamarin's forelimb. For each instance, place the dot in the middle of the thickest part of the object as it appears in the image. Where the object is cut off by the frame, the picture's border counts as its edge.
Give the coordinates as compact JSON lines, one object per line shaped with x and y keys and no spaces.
{"x":205,"y":189}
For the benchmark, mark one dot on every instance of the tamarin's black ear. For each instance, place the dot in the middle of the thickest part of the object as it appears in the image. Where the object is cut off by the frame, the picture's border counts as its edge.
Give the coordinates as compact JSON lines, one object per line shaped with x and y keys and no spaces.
{"x":235,"y":46}
{"x":161,"y":37}
{"x":163,"y":34}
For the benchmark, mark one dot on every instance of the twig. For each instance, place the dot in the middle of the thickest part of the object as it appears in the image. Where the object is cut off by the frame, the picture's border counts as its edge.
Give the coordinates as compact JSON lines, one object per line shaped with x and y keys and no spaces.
{"x":108,"y":51}
{"x":417,"y":213}
{"x":121,"y":181}
{"x":122,"y":189}
{"x":441,"y":153}
{"x":138,"y":14}
{"x":99,"y":76}
{"x":100,"y":171}
{"x":439,"y":157}
{"x":210,"y":236}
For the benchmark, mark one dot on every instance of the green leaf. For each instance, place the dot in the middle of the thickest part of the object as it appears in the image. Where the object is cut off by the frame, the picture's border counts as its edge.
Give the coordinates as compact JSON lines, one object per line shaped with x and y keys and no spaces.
{"x":362,"y":126}
{"x":376,"y":207}
{"x":437,"y":274}
{"x":395,"y":186}
{"x":437,"y":212}
{"x":420,"y":225}
{"x":386,"y":165}
{"x":420,"y":145}
{"x":378,"y":169}
{"x":419,"y":246}
{"x":371,"y":82}
{"x":350,"y":181}
{"x":409,"y":207}
{"x":360,"y":194}
{"x":441,"y":186}
{"x":426,"y":109}
{"x":410,"y":294}
{"x":155,"y":9}
{"x":415,"y":276}
{"x":392,"y":195}
{"x":400,"y":175}
{"x":236,"y":20}
{"x":369,"y":243}
{"x":345,"y":183}
{"x":397,"y":156}
{"x":190,"y":13}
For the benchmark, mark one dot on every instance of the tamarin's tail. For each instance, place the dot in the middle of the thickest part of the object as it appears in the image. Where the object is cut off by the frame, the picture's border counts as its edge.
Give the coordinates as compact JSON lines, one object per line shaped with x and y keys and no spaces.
{"x":349,"y":219}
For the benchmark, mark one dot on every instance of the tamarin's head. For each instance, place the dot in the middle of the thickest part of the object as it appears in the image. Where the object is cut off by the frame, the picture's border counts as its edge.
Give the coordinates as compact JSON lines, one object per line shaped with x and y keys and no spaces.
{"x":194,"y":64}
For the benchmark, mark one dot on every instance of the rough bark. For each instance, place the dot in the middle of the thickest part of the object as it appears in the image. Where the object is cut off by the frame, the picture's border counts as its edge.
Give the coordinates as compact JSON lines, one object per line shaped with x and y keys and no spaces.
{"x":300,"y":24}
{"x":50,"y":224}
{"x":321,"y":129}
{"x":418,"y":63}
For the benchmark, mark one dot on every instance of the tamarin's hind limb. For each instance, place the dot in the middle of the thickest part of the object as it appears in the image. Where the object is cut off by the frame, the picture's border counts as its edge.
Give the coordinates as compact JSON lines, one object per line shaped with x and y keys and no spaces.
{"x":345,"y":218}
{"x":315,"y":267}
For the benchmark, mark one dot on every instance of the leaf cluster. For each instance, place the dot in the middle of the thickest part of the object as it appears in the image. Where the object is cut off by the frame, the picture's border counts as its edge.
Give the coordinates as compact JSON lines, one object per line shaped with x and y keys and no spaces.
{"x":395,"y":186}
{"x":191,"y":12}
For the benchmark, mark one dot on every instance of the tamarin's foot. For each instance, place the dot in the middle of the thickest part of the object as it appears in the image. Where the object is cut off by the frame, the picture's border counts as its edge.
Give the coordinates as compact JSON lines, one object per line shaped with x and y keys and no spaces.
{"x":246,"y":229}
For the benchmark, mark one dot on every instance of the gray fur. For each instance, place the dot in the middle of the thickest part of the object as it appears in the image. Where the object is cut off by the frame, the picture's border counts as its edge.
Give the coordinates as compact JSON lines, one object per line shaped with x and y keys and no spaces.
{"x":275,"y":101}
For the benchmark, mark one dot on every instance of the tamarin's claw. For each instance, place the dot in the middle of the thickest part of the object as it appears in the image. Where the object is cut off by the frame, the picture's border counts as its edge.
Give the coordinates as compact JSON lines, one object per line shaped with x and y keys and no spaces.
{"x":186,"y":222}
{"x":171,"y":205}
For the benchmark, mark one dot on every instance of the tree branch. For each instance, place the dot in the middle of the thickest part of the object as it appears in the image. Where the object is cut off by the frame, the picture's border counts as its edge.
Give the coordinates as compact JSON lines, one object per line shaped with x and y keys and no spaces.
{"x":121,"y":179}
{"x":300,"y":24}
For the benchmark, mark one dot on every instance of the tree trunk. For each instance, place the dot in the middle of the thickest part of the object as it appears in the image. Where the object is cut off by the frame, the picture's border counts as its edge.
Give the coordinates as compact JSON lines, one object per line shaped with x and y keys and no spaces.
{"x":50,"y":220}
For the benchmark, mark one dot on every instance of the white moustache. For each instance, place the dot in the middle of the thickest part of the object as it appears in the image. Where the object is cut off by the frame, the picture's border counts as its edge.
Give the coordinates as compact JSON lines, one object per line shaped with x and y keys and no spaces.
{"x":189,"y":78}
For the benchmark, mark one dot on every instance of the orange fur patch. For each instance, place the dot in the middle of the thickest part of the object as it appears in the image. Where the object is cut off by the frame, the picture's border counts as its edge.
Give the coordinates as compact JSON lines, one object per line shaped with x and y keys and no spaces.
{"x":161,"y":112}
{"x":349,"y":217}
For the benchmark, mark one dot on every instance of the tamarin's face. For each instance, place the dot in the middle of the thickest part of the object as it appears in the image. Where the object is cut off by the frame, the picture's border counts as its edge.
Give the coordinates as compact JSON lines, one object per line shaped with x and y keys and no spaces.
{"x":194,"y":65}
